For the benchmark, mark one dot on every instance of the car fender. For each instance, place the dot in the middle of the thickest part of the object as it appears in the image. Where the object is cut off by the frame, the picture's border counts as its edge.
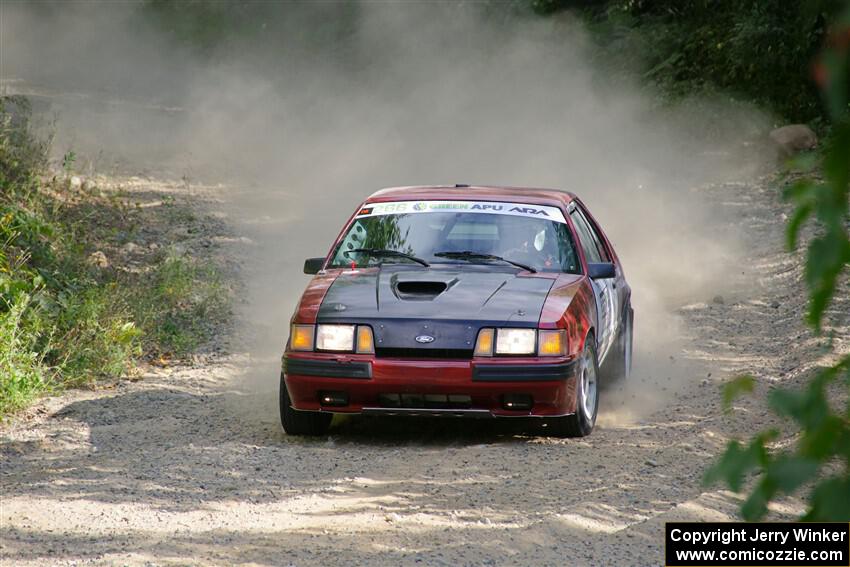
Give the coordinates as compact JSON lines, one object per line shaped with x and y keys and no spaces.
{"x":308,"y":308}
{"x":570,"y":305}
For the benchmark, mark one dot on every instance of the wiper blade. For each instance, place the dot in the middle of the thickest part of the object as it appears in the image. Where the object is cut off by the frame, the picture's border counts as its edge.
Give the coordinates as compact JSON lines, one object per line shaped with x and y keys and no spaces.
{"x":386,"y":253}
{"x":467,"y":255}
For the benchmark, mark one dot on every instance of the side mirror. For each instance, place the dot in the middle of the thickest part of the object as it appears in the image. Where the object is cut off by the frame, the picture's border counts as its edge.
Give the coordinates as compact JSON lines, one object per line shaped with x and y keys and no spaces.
{"x":313,"y":265}
{"x":601,"y":270}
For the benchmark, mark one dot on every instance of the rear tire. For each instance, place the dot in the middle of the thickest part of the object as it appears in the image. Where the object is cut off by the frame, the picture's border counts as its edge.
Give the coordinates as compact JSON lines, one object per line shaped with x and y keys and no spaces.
{"x":581,"y":423}
{"x":297,"y":422}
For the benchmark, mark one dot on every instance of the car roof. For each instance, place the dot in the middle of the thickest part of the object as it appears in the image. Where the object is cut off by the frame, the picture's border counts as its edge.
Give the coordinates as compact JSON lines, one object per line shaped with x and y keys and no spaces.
{"x":463,"y":192}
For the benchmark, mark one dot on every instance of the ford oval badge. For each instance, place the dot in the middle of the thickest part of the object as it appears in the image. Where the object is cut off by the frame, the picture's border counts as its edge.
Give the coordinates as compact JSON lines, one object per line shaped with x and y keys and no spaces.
{"x":424,"y":339}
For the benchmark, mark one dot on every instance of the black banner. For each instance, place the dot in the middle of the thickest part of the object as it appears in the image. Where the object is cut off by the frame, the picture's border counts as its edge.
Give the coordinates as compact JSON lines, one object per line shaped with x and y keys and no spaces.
{"x":769,"y":544}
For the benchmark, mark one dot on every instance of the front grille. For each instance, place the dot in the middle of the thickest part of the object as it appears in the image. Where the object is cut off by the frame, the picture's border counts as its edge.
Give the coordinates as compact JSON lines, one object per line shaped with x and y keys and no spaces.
{"x":446,"y":353}
{"x":430,"y":401}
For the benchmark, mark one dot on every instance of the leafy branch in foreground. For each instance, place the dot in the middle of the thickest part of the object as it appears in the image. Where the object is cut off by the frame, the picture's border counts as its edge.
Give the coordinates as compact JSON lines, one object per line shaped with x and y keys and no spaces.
{"x":821,"y":452}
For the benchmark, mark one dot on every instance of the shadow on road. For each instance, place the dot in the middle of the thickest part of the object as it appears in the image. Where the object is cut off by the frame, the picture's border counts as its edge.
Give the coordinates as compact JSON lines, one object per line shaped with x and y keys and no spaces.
{"x":170,"y":472}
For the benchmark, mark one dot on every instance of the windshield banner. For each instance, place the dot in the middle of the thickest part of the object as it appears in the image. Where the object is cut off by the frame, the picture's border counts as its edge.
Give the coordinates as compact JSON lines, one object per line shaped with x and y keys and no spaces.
{"x":483,"y":207}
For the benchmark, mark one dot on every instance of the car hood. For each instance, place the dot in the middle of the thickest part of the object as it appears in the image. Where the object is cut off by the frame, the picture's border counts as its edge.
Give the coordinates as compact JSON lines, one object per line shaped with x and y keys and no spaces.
{"x":447,"y":304}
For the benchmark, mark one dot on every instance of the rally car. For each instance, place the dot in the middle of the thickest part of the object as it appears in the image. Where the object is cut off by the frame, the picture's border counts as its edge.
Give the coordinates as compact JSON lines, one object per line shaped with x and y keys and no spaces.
{"x":460,"y":301}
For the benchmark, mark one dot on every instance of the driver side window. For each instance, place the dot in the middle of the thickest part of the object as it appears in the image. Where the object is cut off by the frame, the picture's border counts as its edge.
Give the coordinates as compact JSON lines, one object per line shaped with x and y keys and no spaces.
{"x":586,"y":238}
{"x":597,"y":240}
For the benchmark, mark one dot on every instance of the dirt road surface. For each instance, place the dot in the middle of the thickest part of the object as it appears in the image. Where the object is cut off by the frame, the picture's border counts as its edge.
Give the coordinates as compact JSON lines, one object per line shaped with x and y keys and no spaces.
{"x":189,"y":465}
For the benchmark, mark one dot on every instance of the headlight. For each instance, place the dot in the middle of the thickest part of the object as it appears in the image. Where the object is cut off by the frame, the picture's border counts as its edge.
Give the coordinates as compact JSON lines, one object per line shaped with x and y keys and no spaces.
{"x":516,"y":341}
{"x":335,"y":337}
{"x":521,"y":341}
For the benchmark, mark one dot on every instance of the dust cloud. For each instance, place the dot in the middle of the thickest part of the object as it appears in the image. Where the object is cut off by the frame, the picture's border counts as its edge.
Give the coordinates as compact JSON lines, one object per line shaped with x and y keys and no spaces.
{"x":327,"y":103}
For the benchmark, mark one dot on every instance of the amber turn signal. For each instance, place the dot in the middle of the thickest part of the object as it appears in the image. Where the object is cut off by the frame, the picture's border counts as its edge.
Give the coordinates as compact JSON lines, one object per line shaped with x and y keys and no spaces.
{"x":552,"y":343}
{"x":484,"y":344}
{"x":365,"y":340}
{"x":301,"y":337}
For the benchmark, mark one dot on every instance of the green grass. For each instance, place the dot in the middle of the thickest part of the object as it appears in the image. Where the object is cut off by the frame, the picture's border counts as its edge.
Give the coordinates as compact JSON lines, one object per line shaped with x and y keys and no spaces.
{"x":22,"y":372}
{"x":63,"y":321}
{"x":180,"y":305}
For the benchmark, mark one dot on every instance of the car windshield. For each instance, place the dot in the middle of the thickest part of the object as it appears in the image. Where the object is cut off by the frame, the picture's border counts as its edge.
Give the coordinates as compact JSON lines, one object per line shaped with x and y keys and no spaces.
{"x":459,"y":232}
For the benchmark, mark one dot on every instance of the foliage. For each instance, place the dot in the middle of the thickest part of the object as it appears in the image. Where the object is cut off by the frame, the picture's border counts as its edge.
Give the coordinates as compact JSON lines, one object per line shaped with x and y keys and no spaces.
{"x":759,"y":50}
{"x":211,"y":27}
{"x":178,"y":303}
{"x":63,"y":321}
{"x":22,"y":375}
{"x":198,"y":23}
{"x":821,"y":453}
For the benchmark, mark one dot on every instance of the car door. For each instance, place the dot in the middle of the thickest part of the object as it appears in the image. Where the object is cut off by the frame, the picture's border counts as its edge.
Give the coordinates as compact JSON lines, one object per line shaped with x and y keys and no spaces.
{"x":605,"y":291}
{"x":611,"y":294}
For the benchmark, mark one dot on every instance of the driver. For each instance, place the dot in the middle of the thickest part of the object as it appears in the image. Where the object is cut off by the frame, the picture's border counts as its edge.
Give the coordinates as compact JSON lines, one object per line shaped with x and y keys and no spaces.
{"x":531,"y":244}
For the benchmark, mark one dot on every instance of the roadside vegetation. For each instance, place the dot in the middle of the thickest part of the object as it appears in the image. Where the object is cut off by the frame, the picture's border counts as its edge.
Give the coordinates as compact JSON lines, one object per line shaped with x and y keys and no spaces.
{"x":817,"y":457}
{"x":68,"y":315}
{"x":757,"y":51}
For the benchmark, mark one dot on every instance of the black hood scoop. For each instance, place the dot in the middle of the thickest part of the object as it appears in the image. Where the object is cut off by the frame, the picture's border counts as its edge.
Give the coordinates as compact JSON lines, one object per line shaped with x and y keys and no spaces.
{"x":407,"y":287}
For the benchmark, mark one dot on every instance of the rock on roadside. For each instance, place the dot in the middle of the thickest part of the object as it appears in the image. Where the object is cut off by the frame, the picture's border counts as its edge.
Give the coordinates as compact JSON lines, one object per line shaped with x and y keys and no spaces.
{"x":792,"y":139}
{"x":98,"y":259}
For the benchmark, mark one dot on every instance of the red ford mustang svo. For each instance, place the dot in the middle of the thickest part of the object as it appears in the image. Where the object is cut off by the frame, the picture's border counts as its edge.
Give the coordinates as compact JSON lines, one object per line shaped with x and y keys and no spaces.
{"x":460,"y":301}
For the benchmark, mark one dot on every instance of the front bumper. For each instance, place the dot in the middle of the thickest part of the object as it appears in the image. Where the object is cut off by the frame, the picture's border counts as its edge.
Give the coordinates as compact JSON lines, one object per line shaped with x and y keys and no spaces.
{"x":468,"y":388}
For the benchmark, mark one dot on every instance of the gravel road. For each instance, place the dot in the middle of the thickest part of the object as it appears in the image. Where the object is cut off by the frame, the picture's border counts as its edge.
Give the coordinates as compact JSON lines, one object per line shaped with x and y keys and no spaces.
{"x":189,"y":465}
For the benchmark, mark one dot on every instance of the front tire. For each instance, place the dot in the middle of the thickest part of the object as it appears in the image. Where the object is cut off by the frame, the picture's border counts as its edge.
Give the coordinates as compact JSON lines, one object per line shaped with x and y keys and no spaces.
{"x":296,"y":422}
{"x":581,"y":423}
